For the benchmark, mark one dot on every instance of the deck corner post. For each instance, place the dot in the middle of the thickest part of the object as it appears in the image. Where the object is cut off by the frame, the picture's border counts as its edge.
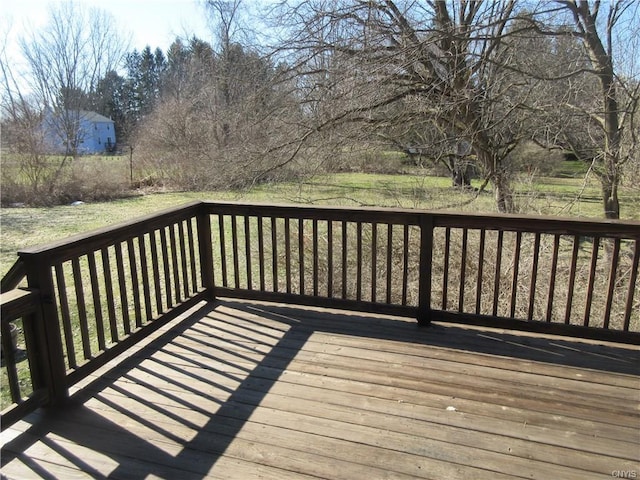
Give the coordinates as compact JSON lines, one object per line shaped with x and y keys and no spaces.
{"x":49,"y":339}
{"x":426,"y":251}
{"x":206,"y":250}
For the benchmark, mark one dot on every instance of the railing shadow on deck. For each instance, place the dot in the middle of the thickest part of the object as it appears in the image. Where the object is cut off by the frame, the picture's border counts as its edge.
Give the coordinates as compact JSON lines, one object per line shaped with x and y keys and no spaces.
{"x":75,"y":422}
{"x":201,"y":453}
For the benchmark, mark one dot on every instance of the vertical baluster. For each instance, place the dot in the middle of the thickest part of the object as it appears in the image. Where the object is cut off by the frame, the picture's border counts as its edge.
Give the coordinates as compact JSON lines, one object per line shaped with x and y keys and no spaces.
{"x":108,"y":286}
{"x":261,"y":252}
{"x":155,"y":264}
{"x":165,"y":267}
{"x":182,"y":242}
{"x":174,"y":262}
{"x":612,"y":281}
{"x":192,"y":256}
{"x":287,"y":252}
{"x":405,"y":264}
{"x":97,"y":304}
{"x":389,"y":260}
{"x":374,"y":260}
{"x":137,"y":309}
{"x":144,"y":272}
{"x":274,"y":254}
{"x":425,"y":270}
{"x":497,"y":270}
{"x":445,"y":267}
{"x":632,"y":284}
{"x":463,"y":269}
{"x":552,"y":276}
{"x":223,"y":251}
{"x":301,"y":253}
{"x":329,"y":258}
{"x":82,"y":309}
{"x":66,"y":316}
{"x":358,"y":261}
{"x":591,"y":282}
{"x":122,"y":284}
{"x":480,"y":272}
{"x":315,"y":256}
{"x":234,"y":246}
{"x":534,"y":276}
{"x":247,"y":250}
{"x":344,"y":259}
{"x":572,"y":279}
{"x":516,"y":268}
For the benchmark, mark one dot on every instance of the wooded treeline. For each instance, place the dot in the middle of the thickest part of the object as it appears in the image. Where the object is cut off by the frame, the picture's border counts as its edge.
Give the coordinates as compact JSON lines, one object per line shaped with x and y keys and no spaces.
{"x":460,"y":83}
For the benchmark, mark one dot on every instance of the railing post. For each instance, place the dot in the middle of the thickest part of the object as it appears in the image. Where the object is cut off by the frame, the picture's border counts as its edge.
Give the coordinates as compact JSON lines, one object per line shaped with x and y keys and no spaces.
{"x":206,"y":250}
{"x":39,"y":276}
{"x":424,"y":284}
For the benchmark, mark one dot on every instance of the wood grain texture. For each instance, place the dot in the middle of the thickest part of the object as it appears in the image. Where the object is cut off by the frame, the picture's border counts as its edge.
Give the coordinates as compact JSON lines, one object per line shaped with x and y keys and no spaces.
{"x":259,"y":390}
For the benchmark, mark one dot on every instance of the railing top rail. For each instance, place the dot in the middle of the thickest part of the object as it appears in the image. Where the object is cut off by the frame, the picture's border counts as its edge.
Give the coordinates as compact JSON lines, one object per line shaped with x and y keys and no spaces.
{"x":489,"y":221}
{"x":378,"y":214}
{"x":17,"y":302}
{"x":13,"y":277}
{"x":541,"y":224}
{"x":64,"y":249}
{"x":67,"y":248}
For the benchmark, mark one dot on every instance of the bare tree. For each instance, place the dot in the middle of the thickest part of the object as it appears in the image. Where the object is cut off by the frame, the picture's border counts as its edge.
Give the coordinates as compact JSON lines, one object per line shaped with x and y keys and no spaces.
{"x":66,"y":59}
{"x":64,"y":63}
{"x":21,"y":132}
{"x":614,"y":113}
{"x":216,"y":119}
{"x":225,"y":18}
{"x":596,"y":96}
{"x":432,"y":69}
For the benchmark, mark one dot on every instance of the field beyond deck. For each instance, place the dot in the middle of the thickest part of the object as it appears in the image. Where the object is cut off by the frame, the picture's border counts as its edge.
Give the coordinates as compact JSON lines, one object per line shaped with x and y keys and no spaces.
{"x":247,"y":390}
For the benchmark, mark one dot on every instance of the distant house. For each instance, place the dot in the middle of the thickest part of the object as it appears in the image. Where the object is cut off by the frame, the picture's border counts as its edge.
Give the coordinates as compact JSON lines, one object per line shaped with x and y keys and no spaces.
{"x":92,"y":132}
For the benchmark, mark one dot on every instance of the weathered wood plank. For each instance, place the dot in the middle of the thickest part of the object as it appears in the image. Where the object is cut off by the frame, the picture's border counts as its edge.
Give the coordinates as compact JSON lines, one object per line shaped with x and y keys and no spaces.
{"x":505,"y":387}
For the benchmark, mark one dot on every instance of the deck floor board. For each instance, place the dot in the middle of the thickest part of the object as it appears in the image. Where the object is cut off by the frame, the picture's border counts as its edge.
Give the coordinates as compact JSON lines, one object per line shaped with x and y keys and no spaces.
{"x":256,"y":390}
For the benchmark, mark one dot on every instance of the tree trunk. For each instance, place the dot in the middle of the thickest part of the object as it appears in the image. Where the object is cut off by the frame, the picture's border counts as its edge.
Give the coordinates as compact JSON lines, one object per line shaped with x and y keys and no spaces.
{"x":600,"y":54}
{"x":460,"y":173}
{"x":611,"y":203}
{"x":503,"y":193}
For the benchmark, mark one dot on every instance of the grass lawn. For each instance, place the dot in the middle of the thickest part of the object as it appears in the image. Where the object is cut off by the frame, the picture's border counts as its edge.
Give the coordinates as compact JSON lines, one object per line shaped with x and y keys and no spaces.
{"x":25,"y":227}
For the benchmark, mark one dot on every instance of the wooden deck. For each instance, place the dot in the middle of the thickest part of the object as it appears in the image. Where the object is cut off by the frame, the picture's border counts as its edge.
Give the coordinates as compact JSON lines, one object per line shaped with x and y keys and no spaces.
{"x":252,"y":390}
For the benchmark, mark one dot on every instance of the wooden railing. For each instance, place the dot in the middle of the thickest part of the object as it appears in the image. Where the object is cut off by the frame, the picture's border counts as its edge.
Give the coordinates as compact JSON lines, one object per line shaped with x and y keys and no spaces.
{"x":92,"y":296}
{"x":547,"y":274}
{"x":95,"y":295}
